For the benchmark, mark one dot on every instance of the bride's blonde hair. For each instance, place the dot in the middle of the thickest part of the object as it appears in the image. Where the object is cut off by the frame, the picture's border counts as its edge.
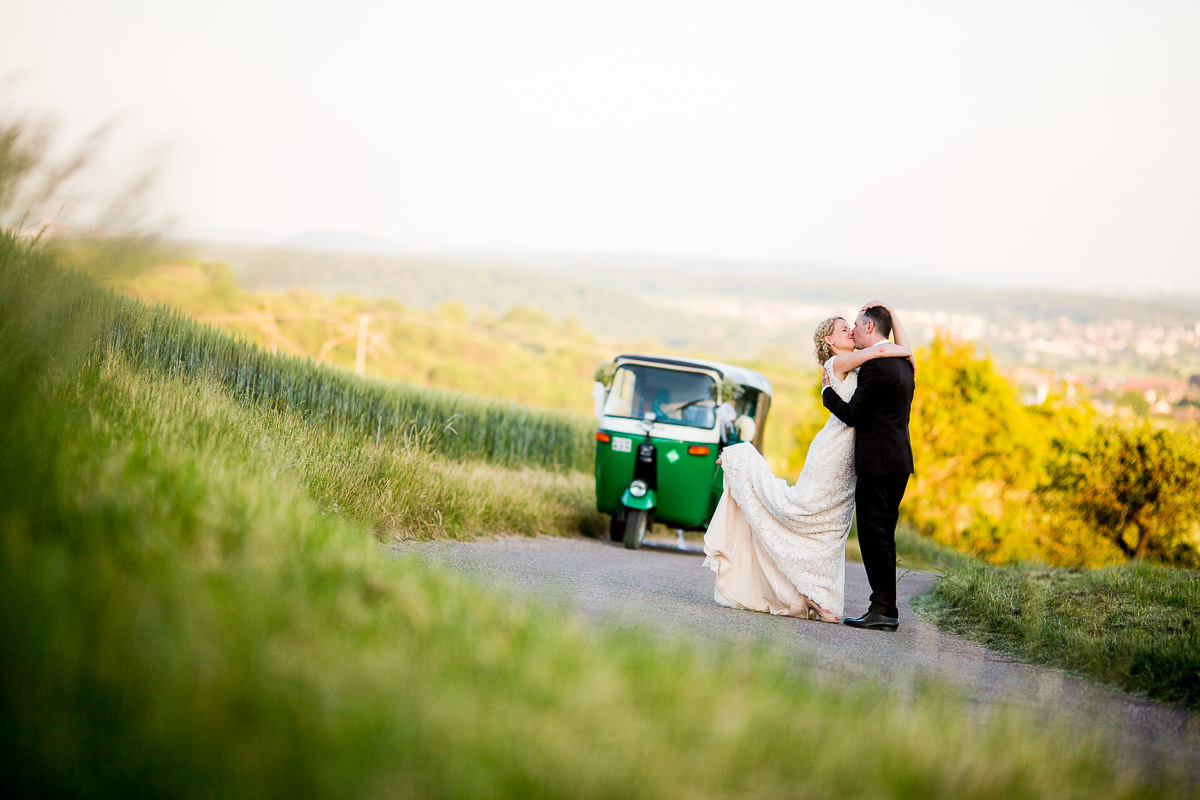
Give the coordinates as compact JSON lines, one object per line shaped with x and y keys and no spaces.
{"x":822,"y":349}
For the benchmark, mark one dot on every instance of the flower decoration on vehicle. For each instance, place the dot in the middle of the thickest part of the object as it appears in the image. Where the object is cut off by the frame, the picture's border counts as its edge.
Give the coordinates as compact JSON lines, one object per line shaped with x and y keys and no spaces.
{"x":604,"y":373}
{"x":727,"y":391}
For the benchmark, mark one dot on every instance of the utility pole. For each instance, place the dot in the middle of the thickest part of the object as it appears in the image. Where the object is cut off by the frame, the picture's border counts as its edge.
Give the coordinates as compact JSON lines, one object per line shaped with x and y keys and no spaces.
{"x":360,"y":360}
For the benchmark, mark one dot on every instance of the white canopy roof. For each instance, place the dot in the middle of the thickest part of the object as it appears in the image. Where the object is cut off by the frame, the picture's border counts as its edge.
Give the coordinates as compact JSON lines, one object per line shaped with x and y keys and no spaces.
{"x":739,"y":375}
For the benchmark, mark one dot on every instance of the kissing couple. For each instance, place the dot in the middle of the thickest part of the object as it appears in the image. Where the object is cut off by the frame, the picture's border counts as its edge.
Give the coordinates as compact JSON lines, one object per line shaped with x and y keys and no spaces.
{"x":782,"y":549}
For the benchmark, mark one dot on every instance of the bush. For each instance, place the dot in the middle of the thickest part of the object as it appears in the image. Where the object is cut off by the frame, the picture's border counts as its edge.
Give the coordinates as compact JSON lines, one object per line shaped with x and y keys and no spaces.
{"x":1138,"y":488}
{"x":980,"y":455}
{"x":1045,"y":483}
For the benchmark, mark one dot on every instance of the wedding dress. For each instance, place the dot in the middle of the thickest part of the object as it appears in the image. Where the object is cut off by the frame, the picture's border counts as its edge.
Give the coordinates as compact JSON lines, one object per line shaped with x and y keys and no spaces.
{"x":773,"y":545}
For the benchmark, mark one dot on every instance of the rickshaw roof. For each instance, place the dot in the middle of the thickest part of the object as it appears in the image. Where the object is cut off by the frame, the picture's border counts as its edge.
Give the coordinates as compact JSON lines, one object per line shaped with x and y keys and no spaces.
{"x":739,"y":375}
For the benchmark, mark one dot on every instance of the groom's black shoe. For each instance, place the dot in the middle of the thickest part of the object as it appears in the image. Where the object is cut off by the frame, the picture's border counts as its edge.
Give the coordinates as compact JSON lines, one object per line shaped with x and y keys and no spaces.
{"x":873,"y":622}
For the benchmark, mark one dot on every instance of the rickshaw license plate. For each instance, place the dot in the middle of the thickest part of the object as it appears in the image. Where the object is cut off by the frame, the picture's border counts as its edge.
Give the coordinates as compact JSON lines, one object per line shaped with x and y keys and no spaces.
{"x":620,"y":445}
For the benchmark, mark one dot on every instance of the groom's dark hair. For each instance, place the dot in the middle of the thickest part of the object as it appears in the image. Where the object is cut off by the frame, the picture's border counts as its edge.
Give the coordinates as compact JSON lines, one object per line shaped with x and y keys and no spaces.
{"x":881,"y":318}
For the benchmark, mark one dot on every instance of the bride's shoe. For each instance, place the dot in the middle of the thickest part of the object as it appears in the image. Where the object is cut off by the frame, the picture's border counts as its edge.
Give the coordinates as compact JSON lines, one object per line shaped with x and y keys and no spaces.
{"x":819,"y":614}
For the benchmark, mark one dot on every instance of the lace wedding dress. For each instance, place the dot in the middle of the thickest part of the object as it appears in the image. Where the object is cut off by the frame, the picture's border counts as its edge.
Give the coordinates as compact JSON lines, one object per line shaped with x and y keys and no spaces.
{"x":772,"y":545}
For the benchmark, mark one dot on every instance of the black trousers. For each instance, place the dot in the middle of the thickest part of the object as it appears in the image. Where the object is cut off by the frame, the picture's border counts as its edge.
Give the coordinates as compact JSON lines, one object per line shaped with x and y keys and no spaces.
{"x":877,"y":504}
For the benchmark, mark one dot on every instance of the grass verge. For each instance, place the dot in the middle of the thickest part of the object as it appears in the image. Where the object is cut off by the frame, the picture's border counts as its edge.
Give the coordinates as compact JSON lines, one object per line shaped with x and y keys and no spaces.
{"x":1136,"y":627}
{"x":397,"y":484}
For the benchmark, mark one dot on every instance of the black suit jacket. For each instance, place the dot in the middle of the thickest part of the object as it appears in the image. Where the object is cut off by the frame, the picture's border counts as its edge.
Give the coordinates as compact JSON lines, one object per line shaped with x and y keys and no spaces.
{"x":878,"y":412}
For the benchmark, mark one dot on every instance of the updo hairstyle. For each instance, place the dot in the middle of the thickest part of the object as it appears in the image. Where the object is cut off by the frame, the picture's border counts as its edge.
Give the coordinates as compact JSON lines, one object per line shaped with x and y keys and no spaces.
{"x":822,"y":349}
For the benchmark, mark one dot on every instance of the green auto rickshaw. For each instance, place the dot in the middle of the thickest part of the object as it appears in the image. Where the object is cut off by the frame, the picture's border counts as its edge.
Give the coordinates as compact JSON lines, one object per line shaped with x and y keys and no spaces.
{"x":663,"y":422}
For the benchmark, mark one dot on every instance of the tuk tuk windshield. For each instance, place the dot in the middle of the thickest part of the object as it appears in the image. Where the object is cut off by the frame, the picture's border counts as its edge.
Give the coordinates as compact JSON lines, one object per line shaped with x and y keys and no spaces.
{"x":675,"y":397}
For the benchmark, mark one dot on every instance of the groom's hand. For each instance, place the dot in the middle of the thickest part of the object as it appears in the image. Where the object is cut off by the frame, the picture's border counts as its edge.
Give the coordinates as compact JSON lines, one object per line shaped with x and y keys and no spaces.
{"x":824,"y":379}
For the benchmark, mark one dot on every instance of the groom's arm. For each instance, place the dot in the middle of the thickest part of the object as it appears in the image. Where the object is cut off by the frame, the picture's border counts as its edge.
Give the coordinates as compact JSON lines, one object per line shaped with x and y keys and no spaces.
{"x":861,"y":401}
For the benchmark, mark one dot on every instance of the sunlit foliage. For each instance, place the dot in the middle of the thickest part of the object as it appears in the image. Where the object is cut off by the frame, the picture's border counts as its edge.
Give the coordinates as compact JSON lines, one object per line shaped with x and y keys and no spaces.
{"x":1047,"y":483}
{"x":1135,"y":486}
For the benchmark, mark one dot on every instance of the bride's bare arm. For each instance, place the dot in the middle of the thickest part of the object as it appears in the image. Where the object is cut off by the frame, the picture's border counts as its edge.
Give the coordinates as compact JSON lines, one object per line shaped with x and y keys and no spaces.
{"x":845,"y":363}
{"x":898,"y":333}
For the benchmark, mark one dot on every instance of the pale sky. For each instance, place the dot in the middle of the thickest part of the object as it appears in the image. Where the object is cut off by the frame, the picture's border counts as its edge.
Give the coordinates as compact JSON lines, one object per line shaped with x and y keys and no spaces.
{"x":1043,"y":143}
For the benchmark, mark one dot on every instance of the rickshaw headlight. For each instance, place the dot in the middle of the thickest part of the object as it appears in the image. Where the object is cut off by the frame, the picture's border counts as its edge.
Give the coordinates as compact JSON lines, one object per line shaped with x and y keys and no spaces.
{"x":638,"y":488}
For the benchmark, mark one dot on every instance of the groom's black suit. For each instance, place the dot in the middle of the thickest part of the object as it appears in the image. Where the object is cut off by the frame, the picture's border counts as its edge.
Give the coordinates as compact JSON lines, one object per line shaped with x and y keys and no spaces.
{"x":878,"y":412}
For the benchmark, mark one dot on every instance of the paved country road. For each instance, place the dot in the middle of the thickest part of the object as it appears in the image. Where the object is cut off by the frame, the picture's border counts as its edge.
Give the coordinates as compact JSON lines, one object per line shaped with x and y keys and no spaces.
{"x":671,"y":592}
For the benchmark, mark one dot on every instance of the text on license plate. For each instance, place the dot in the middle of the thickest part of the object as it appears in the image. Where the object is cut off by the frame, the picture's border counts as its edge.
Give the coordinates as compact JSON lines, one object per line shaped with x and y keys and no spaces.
{"x":622,"y":445}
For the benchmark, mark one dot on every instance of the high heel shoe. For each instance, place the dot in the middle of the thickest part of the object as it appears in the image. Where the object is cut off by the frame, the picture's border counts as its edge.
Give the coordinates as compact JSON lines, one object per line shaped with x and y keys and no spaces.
{"x":815,"y":612}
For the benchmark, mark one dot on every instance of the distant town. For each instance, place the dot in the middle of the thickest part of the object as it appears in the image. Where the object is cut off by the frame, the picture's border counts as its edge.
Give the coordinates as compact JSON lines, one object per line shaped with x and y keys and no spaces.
{"x":1121,"y":366}
{"x":1126,"y":368}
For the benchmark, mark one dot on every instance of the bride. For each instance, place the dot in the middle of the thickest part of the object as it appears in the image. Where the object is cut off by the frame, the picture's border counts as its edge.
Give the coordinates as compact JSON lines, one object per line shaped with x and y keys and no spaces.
{"x":782,"y":549}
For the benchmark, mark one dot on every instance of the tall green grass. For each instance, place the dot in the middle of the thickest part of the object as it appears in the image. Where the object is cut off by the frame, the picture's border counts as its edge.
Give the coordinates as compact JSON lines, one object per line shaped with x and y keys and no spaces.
{"x":1133,"y":626}
{"x":398,"y":485}
{"x":181,"y":618}
{"x":455,"y":425}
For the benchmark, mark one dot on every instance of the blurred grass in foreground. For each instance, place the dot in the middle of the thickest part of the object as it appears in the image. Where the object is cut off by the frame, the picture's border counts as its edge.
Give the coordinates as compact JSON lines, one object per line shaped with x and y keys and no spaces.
{"x":182,"y":618}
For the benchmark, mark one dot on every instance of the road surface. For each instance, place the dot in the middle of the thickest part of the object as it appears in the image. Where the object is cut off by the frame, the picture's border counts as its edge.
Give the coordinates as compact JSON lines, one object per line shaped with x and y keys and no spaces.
{"x":672,"y":593}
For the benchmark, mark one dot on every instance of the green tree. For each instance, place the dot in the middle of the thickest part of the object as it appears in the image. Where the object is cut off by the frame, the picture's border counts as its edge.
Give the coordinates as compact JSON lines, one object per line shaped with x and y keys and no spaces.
{"x":973,"y":452}
{"x":980,"y":454}
{"x":1138,"y":487}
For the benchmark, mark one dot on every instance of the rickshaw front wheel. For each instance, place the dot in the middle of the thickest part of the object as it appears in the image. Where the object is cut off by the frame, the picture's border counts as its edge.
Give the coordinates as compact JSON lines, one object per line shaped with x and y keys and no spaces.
{"x":636,"y":522}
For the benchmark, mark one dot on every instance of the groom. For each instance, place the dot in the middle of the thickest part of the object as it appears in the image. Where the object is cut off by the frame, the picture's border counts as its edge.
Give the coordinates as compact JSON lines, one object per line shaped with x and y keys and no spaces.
{"x":878,"y":411}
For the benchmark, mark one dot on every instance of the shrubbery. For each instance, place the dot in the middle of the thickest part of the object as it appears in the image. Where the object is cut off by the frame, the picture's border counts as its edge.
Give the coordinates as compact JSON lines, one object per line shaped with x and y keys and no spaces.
{"x":1136,"y":487}
{"x":1049,"y":483}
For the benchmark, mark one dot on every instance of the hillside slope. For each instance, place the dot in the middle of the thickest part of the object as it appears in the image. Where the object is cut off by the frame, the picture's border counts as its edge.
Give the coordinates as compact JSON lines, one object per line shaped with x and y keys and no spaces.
{"x":190,"y":610}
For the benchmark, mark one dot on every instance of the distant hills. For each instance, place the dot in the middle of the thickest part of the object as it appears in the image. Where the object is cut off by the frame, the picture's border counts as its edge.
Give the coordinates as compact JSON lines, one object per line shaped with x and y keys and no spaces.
{"x":715,"y":307}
